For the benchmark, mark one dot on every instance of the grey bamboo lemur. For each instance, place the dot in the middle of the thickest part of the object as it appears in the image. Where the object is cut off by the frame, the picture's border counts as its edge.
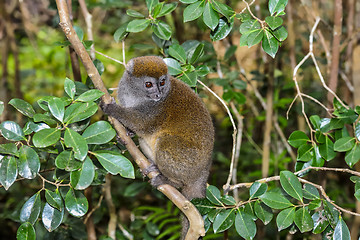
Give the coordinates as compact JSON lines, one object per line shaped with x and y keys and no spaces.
{"x":174,"y":127}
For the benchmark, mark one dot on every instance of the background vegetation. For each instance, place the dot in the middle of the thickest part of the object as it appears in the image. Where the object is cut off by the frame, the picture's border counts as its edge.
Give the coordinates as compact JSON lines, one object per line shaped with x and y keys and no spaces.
{"x":285,"y":163}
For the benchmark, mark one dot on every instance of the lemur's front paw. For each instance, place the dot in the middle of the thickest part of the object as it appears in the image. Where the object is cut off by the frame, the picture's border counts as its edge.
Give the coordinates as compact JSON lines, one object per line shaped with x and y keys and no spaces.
{"x":107,"y":107}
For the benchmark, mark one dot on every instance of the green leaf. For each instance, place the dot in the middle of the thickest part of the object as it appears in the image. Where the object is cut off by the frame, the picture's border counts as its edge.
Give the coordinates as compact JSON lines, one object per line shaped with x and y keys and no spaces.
{"x":82,"y":178}
{"x":199,"y":51}
{"x":9,"y":148}
{"x":223,"y":9}
{"x":31,"y":209}
{"x":23,"y":107}
{"x":303,"y":220}
{"x":315,"y":204}
{"x":167,"y":8}
{"x":79,"y":32}
{"x":291,"y":184}
{"x":310,"y":192}
{"x":162,"y":30}
{"x":190,"y":78}
{"x":29,"y":162}
{"x":341,"y":231}
{"x":210,"y":16}
{"x":174,"y":66}
{"x":51,"y":217}
{"x":298,"y":138}
{"x":133,"y":13}
{"x":178,"y":52}
{"x":269,"y":44}
{"x":38,"y":117}
{"x":315,"y":121}
{"x":222,"y":30}
{"x":90,"y":96}
{"x":188,"y":1}
{"x":257,"y":189}
{"x":12,"y":131}
{"x":285,"y":218}
{"x":99,"y":133}
{"x":317,"y":160}
{"x":305,"y":153}
{"x":66,"y":161}
{"x":76,"y":203}
{"x":75,"y":141}
{"x":336,"y":123}
{"x":327,"y":149}
{"x":53,"y":198}
{"x":135,"y":188}
{"x":320,"y":224}
{"x":46,"y":137}
{"x":255,"y":37}
{"x":70,"y":88}
{"x":202,"y":70}
{"x":8,"y":171}
{"x":115,"y":163}
{"x":137,"y":25}
{"x":193,"y":11}
{"x":273,"y":22}
{"x":357,"y":131}
{"x":228,"y":200}
{"x":79,"y":111}
{"x":224,"y":220}
{"x":275,"y":200}
{"x":150,"y":4}
{"x":57,"y":108}
{"x":353,"y":156}
{"x":263,"y":212}
{"x":248,"y":26}
{"x":26,"y":231}
{"x":120,"y":33}
{"x":344,"y":144}
{"x":277,"y":6}
{"x":213,"y":195}
{"x":244,"y":225}
{"x":331,"y":213}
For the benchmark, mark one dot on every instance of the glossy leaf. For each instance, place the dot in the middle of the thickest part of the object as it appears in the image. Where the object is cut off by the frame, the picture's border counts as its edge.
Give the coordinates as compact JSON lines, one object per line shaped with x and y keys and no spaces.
{"x":210,"y":16}
{"x":228,"y":200}
{"x":224,"y":220}
{"x":223,"y":9}
{"x":291,"y":184}
{"x":327,"y":149}
{"x":79,"y":111}
{"x":331,"y":213}
{"x":46,"y":137}
{"x":70,"y":88}
{"x":134,"y":13}
{"x":83,"y":177}
{"x":137,"y":25}
{"x":320,"y":222}
{"x":135,"y":188}
{"x":298,"y":138}
{"x":115,"y":163}
{"x":273,"y":22}
{"x":29,"y":162}
{"x":23,"y":107}
{"x":99,"y":133}
{"x":9,"y":148}
{"x":263,"y":212}
{"x":30,"y":211}
{"x":222,"y":30}
{"x":162,"y":30}
{"x":248,"y":26}
{"x":1,"y":107}
{"x":53,"y":198}
{"x":344,"y":144}
{"x":178,"y":52}
{"x":353,"y":156}
{"x":26,"y":231}
{"x":213,"y":195}
{"x":66,"y":161}
{"x":315,"y":204}
{"x":75,"y":141}
{"x":174,"y":66}
{"x":275,"y":200}
{"x":257,"y":189}
{"x":357,"y":131}
{"x":120,"y":33}
{"x":76,"y":203}
{"x":305,"y":153}
{"x":46,"y":118}
{"x":190,"y":78}
{"x":303,"y":220}
{"x":193,"y":11}
{"x":12,"y":131}
{"x":51,"y":217}
{"x":244,"y":225}
{"x":310,"y":192}
{"x":255,"y":37}
{"x":57,"y":108}
{"x":281,"y":34}
{"x":167,"y":8}
{"x":89,"y":96}
{"x":199,"y":51}
{"x":188,"y":1}
{"x":269,"y":44}
{"x":285,"y":218}
{"x":8,"y":171}
{"x":277,"y":6}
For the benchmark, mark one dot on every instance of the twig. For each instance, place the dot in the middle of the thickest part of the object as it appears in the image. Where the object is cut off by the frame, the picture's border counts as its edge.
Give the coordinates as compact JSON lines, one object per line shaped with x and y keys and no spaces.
{"x":112,"y":210}
{"x":115,"y":60}
{"x":88,"y":22}
{"x":88,"y":215}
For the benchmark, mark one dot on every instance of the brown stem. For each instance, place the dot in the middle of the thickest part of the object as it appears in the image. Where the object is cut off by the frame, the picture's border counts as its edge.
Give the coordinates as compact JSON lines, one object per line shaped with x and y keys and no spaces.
{"x":90,"y":227}
{"x":112,"y":209}
{"x":196,"y":221}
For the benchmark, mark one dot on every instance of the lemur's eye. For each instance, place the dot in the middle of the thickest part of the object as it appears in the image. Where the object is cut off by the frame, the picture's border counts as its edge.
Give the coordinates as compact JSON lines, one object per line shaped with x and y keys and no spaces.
{"x":162,"y":82}
{"x":148,"y":84}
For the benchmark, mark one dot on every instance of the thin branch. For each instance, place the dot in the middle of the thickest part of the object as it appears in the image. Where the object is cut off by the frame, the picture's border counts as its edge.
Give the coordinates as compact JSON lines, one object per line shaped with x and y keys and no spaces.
{"x":115,"y":60}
